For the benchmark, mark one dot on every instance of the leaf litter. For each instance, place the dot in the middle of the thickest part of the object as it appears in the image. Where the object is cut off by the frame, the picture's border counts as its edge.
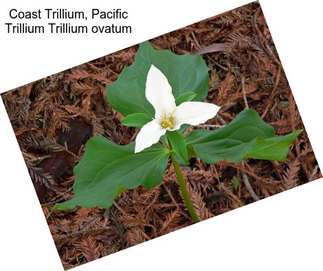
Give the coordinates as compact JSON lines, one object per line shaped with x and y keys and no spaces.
{"x":55,"y":116}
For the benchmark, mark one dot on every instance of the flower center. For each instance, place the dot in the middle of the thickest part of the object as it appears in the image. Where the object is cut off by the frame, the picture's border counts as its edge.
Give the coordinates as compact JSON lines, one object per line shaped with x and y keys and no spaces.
{"x":167,"y":121}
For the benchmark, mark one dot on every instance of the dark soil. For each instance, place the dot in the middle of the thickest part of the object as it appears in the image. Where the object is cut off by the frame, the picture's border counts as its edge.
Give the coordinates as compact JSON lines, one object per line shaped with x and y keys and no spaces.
{"x":54,"y":117}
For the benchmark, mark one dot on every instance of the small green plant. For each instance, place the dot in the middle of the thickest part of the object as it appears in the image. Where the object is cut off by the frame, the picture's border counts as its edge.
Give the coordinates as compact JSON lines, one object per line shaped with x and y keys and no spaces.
{"x":236,"y":182}
{"x":161,"y":93}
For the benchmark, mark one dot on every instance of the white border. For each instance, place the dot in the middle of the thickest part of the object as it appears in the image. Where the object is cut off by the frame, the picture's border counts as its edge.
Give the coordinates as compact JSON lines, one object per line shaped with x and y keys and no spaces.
{"x":283,"y":232}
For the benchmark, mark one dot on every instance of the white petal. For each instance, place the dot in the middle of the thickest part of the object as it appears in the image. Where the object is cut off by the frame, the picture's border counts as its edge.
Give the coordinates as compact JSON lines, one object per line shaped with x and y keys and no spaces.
{"x":159,"y":92}
{"x":148,"y":135}
{"x":194,"y":113}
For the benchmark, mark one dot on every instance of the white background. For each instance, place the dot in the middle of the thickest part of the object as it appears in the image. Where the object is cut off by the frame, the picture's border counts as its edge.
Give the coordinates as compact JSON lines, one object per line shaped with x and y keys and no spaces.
{"x":283,"y":232}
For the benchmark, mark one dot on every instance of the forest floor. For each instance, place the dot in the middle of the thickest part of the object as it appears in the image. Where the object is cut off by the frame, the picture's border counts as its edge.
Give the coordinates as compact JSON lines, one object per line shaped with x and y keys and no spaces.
{"x":53,"y":118}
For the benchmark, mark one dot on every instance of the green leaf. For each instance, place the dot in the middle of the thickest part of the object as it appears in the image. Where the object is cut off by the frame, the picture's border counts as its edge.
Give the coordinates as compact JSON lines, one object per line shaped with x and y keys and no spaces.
{"x":183,"y":128}
{"x":275,"y":148}
{"x":179,"y":146}
{"x":247,"y":136}
{"x":236,"y":182}
{"x":136,"y":120}
{"x":186,"y":97}
{"x":107,"y":169}
{"x":185,"y":73}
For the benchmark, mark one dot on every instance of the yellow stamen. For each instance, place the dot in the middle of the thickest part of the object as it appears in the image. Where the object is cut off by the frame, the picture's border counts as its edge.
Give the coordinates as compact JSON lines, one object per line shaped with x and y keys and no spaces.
{"x":167,"y":121}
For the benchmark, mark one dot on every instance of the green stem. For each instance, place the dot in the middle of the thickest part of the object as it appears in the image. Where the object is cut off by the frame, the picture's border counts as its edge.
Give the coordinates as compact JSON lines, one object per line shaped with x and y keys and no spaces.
{"x":184,"y":191}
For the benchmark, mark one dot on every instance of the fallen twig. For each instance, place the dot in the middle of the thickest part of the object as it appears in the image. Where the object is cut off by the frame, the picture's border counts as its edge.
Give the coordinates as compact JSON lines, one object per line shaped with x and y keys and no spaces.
{"x":248,"y":185}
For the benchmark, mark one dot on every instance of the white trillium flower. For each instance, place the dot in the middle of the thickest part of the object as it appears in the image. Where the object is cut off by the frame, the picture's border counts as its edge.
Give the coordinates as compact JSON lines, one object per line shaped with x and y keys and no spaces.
{"x":168,"y":116}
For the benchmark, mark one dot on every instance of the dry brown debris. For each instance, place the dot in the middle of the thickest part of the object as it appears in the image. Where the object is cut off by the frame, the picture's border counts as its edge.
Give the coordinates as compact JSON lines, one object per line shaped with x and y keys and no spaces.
{"x":53,"y":117}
